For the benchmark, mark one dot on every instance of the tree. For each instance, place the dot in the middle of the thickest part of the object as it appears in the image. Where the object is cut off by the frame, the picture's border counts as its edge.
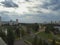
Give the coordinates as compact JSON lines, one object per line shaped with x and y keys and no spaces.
{"x":3,"y":36}
{"x":36,"y":27}
{"x":28,"y":30}
{"x":45,"y":42}
{"x":54,"y":42}
{"x":17,"y":32}
{"x":40,"y":42}
{"x":22,"y":32}
{"x":10,"y":37}
{"x":49,"y":28}
{"x":35,"y":40}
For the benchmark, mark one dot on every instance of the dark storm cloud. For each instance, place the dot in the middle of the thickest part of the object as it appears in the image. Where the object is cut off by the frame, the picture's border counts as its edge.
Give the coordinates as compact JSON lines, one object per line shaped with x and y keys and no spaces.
{"x":53,"y":5}
{"x":9,"y":4}
{"x":6,"y":16}
{"x":26,"y":0}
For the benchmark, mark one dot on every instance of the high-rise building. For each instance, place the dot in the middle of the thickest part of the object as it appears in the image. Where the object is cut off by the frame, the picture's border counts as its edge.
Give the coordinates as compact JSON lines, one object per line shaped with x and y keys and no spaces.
{"x":11,"y":22}
{"x":17,"y":21}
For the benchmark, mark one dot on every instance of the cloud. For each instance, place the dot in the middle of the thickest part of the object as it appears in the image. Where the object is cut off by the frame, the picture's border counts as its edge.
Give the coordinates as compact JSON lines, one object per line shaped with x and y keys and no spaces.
{"x":32,"y":10}
{"x":26,"y":18}
{"x":52,"y":4}
{"x":29,"y":18}
{"x":26,"y":0}
{"x":9,"y":3}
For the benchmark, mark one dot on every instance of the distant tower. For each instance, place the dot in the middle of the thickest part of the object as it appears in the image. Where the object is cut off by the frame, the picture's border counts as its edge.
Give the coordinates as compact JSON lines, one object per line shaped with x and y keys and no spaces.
{"x":51,"y":22}
{"x":55,"y":22}
{"x":11,"y":22}
{"x":17,"y":21}
{"x":0,"y":21}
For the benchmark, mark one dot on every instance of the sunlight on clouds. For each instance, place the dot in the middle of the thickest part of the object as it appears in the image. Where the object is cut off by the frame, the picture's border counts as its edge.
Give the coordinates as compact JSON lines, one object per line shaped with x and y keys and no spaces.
{"x":45,"y":11}
{"x":21,"y":10}
{"x":1,"y":0}
{"x":32,"y":10}
{"x":6,"y":9}
{"x":24,"y":7}
{"x":28,"y":7}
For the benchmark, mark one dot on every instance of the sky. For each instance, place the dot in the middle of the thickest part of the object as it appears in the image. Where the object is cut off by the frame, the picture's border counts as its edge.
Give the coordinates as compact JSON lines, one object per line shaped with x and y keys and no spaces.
{"x":30,"y":11}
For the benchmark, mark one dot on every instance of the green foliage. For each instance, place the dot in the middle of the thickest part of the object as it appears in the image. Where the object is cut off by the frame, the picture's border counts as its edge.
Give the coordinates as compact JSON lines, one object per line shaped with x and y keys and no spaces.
{"x":22,"y":32}
{"x":17,"y":32}
{"x":45,"y":35}
{"x":10,"y":37}
{"x":40,"y":42}
{"x":34,"y":40}
{"x":36,"y":27}
{"x":44,"y":42}
{"x":3,"y":36}
{"x":54,"y":42}
{"x":49,"y":28}
{"x":28,"y":30}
